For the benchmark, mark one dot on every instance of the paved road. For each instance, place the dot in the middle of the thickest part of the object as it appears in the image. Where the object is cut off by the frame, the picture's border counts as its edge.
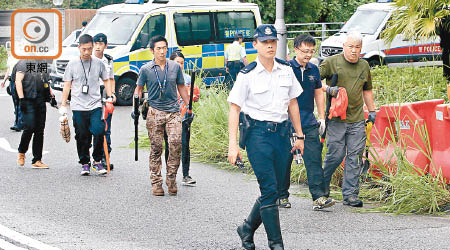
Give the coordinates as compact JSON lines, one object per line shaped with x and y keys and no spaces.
{"x":63,"y":209}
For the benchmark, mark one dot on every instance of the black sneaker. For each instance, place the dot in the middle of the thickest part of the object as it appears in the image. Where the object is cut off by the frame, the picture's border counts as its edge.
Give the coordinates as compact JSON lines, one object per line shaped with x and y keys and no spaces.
{"x":16,"y":128}
{"x":353,"y":201}
{"x":284,"y":203}
{"x":105,"y":166}
{"x":188,"y":181}
{"x":323,"y":202}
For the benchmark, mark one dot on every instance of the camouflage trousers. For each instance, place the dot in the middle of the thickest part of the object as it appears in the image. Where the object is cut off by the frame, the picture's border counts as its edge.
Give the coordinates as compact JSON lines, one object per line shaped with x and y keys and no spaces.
{"x":157,"y":121}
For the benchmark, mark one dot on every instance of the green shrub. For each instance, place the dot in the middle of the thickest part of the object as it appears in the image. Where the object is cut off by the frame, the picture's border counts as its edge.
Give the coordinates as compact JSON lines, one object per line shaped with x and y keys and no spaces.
{"x":411,"y":84}
{"x":3,"y":58}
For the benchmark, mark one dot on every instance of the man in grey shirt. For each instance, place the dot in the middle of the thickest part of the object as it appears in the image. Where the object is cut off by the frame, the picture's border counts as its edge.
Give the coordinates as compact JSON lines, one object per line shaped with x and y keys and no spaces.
{"x":163,"y":78}
{"x":81,"y":80}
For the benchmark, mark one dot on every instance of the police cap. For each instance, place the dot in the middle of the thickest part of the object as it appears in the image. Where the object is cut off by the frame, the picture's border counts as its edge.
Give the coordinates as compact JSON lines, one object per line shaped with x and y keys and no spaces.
{"x":265,"y":32}
{"x":100,"y":37}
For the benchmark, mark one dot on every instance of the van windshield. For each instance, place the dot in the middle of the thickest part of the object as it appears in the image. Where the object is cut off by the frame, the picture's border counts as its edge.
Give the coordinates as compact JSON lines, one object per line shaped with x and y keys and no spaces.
{"x":70,"y":39}
{"x":118,"y":28}
{"x":365,"y":21}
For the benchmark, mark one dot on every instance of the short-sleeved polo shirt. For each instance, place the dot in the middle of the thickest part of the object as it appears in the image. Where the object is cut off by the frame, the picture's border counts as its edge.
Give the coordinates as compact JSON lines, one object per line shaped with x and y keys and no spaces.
{"x":148,"y":78}
{"x":309,"y":79}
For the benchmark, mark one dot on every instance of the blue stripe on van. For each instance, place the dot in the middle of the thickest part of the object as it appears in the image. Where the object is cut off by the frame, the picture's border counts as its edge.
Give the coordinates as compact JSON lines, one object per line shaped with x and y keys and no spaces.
{"x":122,"y":59}
{"x":139,"y":64}
{"x":208,"y":48}
{"x":193,"y":61}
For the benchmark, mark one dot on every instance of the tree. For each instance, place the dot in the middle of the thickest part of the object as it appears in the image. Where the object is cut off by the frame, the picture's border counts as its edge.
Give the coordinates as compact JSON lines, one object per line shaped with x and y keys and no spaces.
{"x":421,"y":20}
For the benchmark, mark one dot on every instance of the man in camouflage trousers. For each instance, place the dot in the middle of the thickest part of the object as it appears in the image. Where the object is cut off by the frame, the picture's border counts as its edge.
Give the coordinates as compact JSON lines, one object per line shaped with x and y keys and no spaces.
{"x":163,"y":78}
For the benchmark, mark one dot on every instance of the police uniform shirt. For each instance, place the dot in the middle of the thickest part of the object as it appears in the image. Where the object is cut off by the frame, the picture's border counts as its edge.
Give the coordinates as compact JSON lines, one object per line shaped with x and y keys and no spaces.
{"x":109,"y":69}
{"x":235,"y":52}
{"x":264,"y":95}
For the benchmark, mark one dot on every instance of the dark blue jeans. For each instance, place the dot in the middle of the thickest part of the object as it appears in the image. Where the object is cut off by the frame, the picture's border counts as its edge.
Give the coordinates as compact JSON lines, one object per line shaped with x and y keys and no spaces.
{"x":34,"y":115}
{"x":88,"y":124}
{"x":312,"y":157}
{"x":268,"y":150}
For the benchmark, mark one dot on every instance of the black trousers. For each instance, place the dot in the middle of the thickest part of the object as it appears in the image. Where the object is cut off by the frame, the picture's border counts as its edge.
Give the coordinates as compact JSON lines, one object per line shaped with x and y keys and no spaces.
{"x":34,"y":112}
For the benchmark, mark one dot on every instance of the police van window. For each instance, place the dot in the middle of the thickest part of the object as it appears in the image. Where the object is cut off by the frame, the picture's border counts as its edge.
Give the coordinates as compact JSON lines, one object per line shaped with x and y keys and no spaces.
{"x":155,"y":25}
{"x":193,"y":28}
{"x":230,"y":23}
{"x":117,"y":27}
{"x":365,"y":21}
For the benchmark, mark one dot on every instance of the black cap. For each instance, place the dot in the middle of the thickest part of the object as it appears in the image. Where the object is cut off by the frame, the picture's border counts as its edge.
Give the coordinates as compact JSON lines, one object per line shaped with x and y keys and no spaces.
{"x":100,"y":37}
{"x":265,"y":32}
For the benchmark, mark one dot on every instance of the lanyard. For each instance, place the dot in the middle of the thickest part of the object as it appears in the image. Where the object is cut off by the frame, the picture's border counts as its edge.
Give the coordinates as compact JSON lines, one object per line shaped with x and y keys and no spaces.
{"x":163,"y":85}
{"x":84,"y":70}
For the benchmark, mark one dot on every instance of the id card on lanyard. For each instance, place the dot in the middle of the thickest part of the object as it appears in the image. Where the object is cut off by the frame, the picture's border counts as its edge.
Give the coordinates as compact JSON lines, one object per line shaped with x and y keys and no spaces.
{"x":162,"y":86}
{"x":85,"y":87}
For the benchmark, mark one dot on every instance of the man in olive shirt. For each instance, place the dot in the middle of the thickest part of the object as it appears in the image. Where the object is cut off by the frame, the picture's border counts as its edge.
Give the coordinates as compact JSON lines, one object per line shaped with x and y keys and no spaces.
{"x":346,"y":138}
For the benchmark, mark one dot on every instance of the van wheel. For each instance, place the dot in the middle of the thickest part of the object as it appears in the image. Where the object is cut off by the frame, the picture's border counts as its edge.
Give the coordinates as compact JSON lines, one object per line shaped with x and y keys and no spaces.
{"x":373,"y":62}
{"x":124,"y":91}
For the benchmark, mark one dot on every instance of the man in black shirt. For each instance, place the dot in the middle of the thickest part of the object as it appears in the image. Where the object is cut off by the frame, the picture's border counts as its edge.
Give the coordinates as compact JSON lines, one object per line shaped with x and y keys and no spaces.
{"x":33,"y":91}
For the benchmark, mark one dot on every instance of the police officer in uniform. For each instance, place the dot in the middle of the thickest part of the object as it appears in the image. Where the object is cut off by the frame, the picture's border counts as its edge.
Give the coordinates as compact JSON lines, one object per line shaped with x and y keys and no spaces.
{"x":264,"y":94}
{"x":100,"y":44}
{"x":235,"y":57}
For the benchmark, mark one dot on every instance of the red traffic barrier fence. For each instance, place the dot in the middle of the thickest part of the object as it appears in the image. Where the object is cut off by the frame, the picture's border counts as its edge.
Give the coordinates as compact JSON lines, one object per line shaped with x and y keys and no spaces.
{"x":440,"y":127}
{"x":409,"y":125}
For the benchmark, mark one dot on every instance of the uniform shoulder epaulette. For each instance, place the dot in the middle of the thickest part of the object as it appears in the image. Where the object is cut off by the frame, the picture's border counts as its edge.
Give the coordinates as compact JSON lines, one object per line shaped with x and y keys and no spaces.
{"x":248,"y":68}
{"x":280,"y":61}
{"x":110,"y":58}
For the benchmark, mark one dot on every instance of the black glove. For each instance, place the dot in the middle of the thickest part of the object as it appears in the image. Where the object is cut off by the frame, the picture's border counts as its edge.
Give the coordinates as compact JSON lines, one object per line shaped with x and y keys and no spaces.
{"x":333,"y":91}
{"x":22,"y":104}
{"x":371,"y":117}
{"x":53,"y":102}
{"x":188,"y":118}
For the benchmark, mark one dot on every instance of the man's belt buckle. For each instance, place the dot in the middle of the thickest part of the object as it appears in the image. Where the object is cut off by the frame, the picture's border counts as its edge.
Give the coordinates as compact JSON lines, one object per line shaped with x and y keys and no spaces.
{"x":272,"y":126}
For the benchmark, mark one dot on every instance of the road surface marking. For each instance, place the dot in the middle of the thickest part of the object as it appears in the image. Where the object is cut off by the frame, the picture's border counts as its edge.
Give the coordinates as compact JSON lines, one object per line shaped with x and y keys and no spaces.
{"x":4,"y":144}
{"x":25,"y":240}
{"x":8,"y":246}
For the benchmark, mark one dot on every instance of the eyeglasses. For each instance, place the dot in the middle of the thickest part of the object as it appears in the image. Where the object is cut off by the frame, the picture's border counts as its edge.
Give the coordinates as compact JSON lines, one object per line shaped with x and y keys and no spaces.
{"x":308,"y":51}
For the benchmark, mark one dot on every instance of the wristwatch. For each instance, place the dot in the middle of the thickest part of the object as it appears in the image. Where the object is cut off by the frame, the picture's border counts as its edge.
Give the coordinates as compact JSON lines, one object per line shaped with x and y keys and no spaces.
{"x":300,"y":137}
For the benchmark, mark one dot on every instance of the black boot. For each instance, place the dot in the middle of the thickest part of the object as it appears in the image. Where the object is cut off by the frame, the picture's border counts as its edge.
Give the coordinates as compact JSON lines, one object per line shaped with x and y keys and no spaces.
{"x":248,"y":228}
{"x":271,"y":219}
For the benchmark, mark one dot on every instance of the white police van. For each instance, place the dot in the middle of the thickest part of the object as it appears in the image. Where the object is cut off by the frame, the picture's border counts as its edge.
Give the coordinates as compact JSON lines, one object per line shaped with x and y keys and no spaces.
{"x":201,"y":29}
{"x":370,"y":20}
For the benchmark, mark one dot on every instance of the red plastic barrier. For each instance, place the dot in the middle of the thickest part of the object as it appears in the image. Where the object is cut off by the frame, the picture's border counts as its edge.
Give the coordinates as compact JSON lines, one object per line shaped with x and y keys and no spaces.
{"x":440,"y":127}
{"x":412,"y":117}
